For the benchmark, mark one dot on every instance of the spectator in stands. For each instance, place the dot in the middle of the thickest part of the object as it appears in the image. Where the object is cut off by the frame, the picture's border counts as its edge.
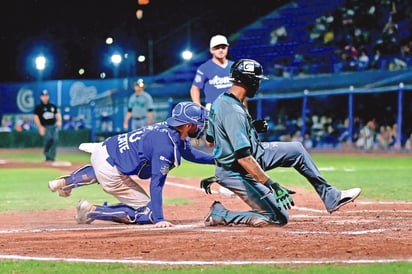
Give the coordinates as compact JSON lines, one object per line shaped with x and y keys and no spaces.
{"x":307,"y":141}
{"x":140,"y":107}
{"x":406,"y":49}
{"x":69,"y":122}
{"x":363,"y":60}
{"x":106,"y":122}
{"x":408,"y":143}
{"x":394,"y":136}
{"x":397,"y":64}
{"x":278,"y":35}
{"x":6,"y":124}
{"x":80,"y":124}
{"x":389,"y":39}
{"x":366,"y":140}
{"x":212,"y":76}
{"x":383,"y":137}
{"x":48,"y":121}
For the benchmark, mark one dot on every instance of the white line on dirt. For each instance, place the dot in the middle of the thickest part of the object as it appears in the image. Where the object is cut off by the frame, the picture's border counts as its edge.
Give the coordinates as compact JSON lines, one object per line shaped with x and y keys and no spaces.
{"x":359,"y":232}
{"x":271,"y":262}
{"x":194,"y":226}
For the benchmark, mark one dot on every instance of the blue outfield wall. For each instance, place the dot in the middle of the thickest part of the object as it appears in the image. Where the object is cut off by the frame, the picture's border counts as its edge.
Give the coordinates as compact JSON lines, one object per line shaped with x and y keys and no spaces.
{"x":102,"y":103}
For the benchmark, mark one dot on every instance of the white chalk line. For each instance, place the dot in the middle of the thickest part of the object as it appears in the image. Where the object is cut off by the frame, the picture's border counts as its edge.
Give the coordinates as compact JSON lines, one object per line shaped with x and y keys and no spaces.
{"x":354,"y":232}
{"x":157,"y":262}
{"x":194,"y":226}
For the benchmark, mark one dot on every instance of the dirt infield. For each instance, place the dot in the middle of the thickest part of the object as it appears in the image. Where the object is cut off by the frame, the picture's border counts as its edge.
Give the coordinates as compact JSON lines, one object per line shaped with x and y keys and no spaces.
{"x":360,"y":231}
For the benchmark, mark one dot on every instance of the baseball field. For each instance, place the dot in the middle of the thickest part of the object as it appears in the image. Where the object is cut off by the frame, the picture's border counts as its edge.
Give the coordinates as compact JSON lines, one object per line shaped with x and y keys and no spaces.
{"x":371,"y":235}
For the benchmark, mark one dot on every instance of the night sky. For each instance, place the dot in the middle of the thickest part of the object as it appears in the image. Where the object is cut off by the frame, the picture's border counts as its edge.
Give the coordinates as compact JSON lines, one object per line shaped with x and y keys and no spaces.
{"x":74,"y":32}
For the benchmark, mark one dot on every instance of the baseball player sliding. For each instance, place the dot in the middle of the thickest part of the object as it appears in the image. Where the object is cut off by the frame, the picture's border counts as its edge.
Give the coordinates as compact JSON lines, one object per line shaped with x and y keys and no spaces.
{"x":148,"y":152}
{"x":242,"y":159}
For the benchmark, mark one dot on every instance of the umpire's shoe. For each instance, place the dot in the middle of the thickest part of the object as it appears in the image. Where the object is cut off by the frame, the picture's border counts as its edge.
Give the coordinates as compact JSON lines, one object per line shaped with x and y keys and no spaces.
{"x":346,"y":197}
{"x":83,"y":209}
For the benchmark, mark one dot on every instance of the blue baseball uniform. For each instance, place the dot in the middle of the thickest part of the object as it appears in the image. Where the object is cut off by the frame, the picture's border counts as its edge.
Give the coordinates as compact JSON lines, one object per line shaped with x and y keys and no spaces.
{"x":122,"y":160}
{"x":212,"y":79}
{"x":149,"y":152}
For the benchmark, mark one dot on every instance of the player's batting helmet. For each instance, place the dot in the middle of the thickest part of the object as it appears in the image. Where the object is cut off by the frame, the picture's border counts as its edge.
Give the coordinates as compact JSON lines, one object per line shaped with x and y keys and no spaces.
{"x":248,"y":73}
{"x":189,"y":113}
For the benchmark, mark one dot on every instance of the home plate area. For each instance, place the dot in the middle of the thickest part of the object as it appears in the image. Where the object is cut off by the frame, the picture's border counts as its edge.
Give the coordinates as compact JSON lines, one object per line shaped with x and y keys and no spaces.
{"x":360,"y":232}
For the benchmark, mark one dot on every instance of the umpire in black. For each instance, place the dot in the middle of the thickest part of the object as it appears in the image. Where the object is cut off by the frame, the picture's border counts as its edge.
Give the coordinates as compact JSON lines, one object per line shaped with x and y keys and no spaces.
{"x":48,"y":120}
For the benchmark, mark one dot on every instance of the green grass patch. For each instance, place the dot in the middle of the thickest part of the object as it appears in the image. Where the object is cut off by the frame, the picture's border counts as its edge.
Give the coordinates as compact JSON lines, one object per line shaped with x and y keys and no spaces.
{"x":93,"y":268}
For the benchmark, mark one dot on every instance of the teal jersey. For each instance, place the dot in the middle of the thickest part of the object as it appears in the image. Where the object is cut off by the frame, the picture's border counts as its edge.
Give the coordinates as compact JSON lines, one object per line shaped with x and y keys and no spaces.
{"x":231,"y":127}
{"x":140,"y":105}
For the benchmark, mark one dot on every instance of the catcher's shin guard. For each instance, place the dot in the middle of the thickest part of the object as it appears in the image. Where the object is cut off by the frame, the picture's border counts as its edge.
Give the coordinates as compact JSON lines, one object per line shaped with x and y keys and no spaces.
{"x":83,"y":176}
{"x":121,"y":213}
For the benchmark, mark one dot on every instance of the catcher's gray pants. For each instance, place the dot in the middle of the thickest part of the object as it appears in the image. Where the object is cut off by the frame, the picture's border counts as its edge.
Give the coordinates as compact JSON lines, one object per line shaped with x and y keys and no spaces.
{"x":121,"y":186}
{"x":277,"y":154}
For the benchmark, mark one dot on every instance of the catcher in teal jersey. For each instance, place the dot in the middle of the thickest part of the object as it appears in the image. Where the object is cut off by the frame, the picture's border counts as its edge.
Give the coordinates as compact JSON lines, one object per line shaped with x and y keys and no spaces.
{"x":242,"y":159}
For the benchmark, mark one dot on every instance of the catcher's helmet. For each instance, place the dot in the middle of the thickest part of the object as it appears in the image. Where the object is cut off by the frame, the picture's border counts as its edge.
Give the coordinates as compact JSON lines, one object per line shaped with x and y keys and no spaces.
{"x":248,"y":73}
{"x":189,"y":113}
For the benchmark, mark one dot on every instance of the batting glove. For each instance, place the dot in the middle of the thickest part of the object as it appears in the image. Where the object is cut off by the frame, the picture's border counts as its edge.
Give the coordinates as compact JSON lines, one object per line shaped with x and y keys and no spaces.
{"x":281,"y":194}
{"x":261,"y":126}
{"x":207,"y":182}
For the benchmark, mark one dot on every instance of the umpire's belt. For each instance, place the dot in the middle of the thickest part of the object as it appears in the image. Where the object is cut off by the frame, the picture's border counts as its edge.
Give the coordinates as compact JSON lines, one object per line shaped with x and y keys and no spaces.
{"x":139,"y":118}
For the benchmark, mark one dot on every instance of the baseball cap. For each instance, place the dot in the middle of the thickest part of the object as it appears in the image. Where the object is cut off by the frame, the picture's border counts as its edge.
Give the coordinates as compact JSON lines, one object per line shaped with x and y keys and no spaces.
{"x":218,"y":40}
{"x":44,"y":92}
{"x":139,"y":83}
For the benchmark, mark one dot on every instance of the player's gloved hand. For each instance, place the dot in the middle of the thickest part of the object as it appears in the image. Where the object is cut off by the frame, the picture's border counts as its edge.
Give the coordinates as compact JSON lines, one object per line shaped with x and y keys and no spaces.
{"x":207,"y":182}
{"x":281,"y":194}
{"x":261,"y":126}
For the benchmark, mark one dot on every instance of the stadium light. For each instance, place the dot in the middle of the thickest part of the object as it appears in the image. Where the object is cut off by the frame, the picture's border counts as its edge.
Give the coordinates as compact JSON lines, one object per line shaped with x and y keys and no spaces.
{"x":40,"y":62}
{"x":187,"y":55}
{"x":116,"y":59}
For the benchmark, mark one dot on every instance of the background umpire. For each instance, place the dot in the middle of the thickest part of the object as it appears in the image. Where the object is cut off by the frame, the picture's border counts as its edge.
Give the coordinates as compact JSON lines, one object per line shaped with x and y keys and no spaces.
{"x":48,"y":120}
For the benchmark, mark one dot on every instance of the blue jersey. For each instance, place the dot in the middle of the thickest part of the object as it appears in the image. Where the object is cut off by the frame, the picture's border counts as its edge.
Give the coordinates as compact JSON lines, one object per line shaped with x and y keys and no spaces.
{"x":212,"y":79}
{"x":151,"y":152}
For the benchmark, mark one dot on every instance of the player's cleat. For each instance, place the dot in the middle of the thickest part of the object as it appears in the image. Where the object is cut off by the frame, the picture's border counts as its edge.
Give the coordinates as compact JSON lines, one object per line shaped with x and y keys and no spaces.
{"x":212,"y":219}
{"x":59,"y":185}
{"x":346,"y":196}
{"x":83,"y":209}
{"x":256,"y":221}
{"x":219,"y":215}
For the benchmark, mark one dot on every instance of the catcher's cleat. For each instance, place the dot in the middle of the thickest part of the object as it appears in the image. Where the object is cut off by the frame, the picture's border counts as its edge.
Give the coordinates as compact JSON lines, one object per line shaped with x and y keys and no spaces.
{"x":83,"y":209}
{"x":346,"y":196}
{"x":212,"y":219}
{"x":60,"y":186}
